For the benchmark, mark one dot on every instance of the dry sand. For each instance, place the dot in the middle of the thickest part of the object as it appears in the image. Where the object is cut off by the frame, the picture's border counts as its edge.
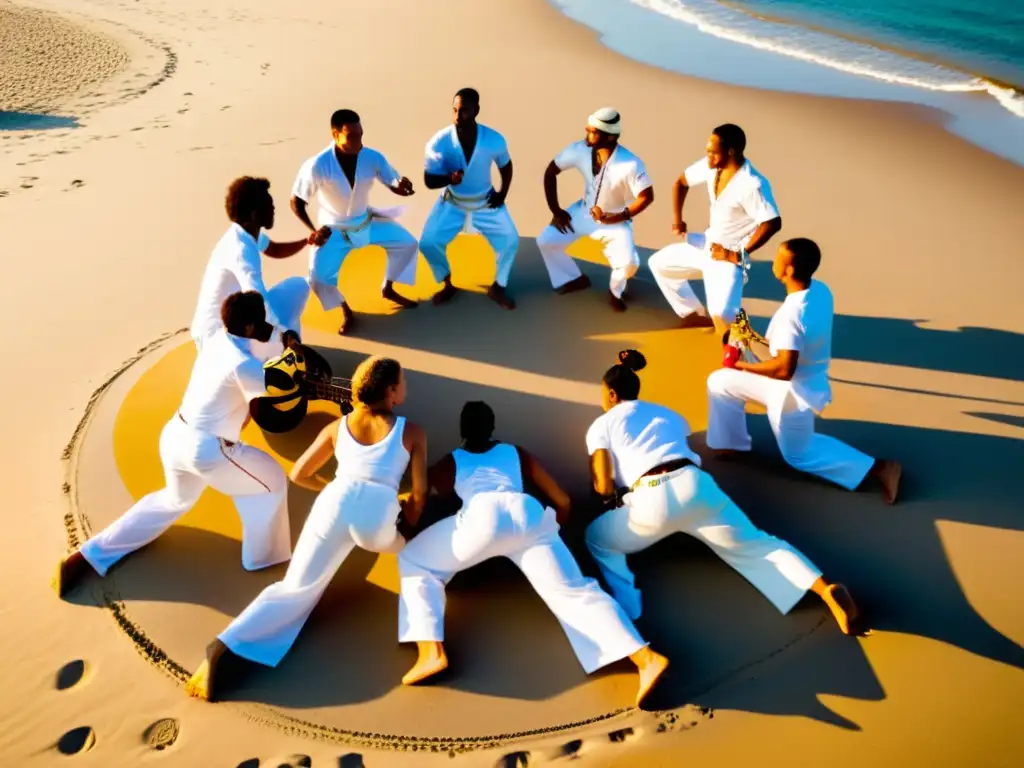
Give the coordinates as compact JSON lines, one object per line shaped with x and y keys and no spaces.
{"x":108,"y":226}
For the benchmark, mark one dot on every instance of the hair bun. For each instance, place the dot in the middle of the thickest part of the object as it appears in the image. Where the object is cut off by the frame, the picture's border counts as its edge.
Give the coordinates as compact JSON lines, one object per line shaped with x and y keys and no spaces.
{"x":632,"y":359}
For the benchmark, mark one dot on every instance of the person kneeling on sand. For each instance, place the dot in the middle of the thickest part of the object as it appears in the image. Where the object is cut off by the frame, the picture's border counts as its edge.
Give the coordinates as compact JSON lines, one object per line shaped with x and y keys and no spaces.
{"x":360,"y":506}
{"x":497,"y":519}
{"x":642,"y":447}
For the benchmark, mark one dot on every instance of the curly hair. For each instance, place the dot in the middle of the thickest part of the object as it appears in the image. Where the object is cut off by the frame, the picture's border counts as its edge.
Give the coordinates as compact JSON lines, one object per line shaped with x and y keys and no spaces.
{"x":372,"y":379}
{"x":245,"y":196}
{"x":621,"y":378}
{"x":242,"y":308}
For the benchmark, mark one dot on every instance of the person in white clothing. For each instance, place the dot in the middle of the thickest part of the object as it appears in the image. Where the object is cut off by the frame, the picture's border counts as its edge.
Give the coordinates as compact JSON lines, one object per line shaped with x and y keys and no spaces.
{"x":340,"y":178}
{"x":617,"y":190}
{"x":458,"y":159}
{"x":744,"y":217}
{"x":359,"y":507}
{"x":792,"y":384}
{"x":653,"y":484}
{"x":201,"y":446}
{"x":235,"y":263}
{"x":498,"y":519}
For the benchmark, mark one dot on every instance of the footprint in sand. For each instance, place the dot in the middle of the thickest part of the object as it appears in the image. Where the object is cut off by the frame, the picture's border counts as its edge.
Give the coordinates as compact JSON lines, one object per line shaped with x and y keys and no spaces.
{"x":514,"y":760}
{"x":76,"y":741}
{"x":76,"y":183}
{"x":293,"y":761}
{"x":71,"y":674}
{"x":351,"y":760}
{"x":571,"y":750}
{"x":162,"y":734}
{"x":252,"y":762}
{"x":621,"y":735}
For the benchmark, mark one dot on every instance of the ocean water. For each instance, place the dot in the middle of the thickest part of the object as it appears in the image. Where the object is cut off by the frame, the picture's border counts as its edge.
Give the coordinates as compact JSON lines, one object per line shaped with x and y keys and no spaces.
{"x":967,"y":61}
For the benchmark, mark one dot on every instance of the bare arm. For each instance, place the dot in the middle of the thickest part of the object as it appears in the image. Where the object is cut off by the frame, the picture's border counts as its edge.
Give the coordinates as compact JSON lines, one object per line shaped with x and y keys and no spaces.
{"x":551,"y":187}
{"x":679,"y":191}
{"x":781,"y":367}
{"x":601,"y":472}
{"x":415,"y":440}
{"x":634,"y":209}
{"x":763,"y":234}
{"x":299,"y":209}
{"x":286,"y":249}
{"x":441,"y":476}
{"x":546,"y":484}
{"x":436,"y":180}
{"x":505,"y":172}
{"x":319,"y":453}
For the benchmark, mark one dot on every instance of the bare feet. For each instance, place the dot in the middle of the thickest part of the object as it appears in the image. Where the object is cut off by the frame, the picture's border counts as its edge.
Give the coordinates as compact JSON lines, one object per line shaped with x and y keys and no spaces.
{"x":498,"y":295}
{"x":348,"y":320}
{"x":651,"y":666}
{"x":616,"y":303}
{"x":391,"y":294}
{"x":201,"y":684}
{"x":446,"y":294}
{"x":432,"y":659}
{"x":70,"y":571}
{"x":696,"y":320}
{"x":888,"y":474}
{"x":581,"y":283}
{"x":838,"y":600}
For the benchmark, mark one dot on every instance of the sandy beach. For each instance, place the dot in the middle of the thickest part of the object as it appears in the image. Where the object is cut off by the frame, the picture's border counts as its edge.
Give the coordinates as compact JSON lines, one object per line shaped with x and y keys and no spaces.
{"x":121,"y":125}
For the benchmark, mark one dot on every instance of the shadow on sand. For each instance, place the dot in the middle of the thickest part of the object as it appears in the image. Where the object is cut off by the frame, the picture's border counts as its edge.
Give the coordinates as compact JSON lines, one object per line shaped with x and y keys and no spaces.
{"x":32,"y":121}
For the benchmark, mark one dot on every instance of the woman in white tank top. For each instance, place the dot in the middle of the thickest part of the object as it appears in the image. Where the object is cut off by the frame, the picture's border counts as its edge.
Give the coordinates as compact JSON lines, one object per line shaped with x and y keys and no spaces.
{"x":641,"y":460}
{"x":498,"y":519}
{"x":359,"y":507}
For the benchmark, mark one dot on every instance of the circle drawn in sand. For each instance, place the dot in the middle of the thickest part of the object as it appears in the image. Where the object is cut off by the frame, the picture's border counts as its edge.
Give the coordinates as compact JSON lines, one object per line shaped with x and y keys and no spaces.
{"x":71,"y":674}
{"x":77,"y":740}
{"x":162,"y":733}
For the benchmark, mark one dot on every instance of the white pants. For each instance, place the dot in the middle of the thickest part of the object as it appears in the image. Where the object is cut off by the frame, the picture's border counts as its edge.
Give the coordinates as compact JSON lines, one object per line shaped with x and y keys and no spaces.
{"x":287,"y":300}
{"x":192,"y":461}
{"x":619,"y":248}
{"x":346,"y":514}
{"x":516,"y":526}
{"x":446,"y":220}
{"x":678,"y":263}
{"x":690,"y":501}
{"x":792,"y":422}
{"x":325,"y":261}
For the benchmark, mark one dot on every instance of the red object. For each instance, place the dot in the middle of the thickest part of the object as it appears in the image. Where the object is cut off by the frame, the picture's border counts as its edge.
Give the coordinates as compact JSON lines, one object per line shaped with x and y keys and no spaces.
{"x":731,"y":356}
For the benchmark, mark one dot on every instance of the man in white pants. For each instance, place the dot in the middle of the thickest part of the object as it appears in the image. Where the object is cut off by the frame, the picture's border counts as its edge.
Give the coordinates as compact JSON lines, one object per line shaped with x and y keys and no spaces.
{"x":199,"y":447}
{"x":642,"y":448}
{"x":498,"y":519}
{"x":793,"y":383}
{"x":235,"y":263}
{"x":744,"y":217}
{"x":459,"y":158}
{"x":340,"y":177}
{"x":617,"y":190}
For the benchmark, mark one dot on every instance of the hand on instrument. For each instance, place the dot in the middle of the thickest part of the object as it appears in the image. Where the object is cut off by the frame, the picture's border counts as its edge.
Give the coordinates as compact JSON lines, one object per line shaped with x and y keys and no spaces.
{"x":455,"y":177}
{"x":403,"y":188}
{"x":562,"y":221}
{"x":495,"y":199}
{"x":730,"y":356}
{"x":679,"y":227}
{"x":319,"y":237}
{"x":721,"y":253}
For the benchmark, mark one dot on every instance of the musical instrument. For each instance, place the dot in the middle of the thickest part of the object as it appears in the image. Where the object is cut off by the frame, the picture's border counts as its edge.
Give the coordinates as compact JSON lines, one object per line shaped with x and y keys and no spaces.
{"x":292,"y":379}
{"x":741,"y":334}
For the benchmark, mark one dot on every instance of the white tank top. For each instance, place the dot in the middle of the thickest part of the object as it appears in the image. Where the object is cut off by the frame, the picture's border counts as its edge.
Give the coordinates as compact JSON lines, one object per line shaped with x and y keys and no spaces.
{"x":383,"y":462}
{"x":495,"y":470}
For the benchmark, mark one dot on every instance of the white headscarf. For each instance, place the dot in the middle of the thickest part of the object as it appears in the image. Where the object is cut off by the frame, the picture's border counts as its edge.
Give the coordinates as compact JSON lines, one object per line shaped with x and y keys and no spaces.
{"x":606,"y":119}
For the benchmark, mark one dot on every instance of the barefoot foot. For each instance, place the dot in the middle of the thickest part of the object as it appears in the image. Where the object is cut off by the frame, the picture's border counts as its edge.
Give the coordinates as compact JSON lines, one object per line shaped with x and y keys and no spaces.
{"x":446,"y":294}
{"x":696,"y":320}
{"x":392,"y":295}
{"x":71,"y":570}
{"x":348,"y":320}
{"x":616,"y":303}
{"x":499,"y":296}
{"x":432,"y":660}
{"x":580,"y":283}
{"x":839,"y":601}
{"x":201,"y":684}
{"x":651,"y":666}
{"x":888,"y":474}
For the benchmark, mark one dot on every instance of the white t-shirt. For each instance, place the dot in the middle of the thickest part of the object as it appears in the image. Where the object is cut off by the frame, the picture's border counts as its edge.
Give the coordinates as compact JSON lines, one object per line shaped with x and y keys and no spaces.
{"x":640,"y":436}
{"x":338,"y":203}
{"x":804,"y":324}
{"x":234,"y":266}
{"x":621,"y":179}
{"x":745,"y":204}
{"x":224,"y":379}
{"x":444,"y":154}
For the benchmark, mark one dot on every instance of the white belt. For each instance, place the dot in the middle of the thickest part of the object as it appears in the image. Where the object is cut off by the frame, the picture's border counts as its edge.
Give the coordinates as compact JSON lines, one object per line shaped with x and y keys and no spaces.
{"x":474,"y":203}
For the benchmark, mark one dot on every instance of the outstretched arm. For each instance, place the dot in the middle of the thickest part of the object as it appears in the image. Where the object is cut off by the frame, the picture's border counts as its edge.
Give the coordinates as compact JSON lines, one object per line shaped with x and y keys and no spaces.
{"x":546,"y":484}
{"x":284,"y":250}
{"x":304,"y":473}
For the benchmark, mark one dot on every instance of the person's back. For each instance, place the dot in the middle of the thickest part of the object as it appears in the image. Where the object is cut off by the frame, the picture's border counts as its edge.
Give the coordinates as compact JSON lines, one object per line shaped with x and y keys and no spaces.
{"x":224,"y":378}
{"x":370,"y":447}
{"x":495,"y":469}
{"x":235,"y":251}
{"x":641,"y":435}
